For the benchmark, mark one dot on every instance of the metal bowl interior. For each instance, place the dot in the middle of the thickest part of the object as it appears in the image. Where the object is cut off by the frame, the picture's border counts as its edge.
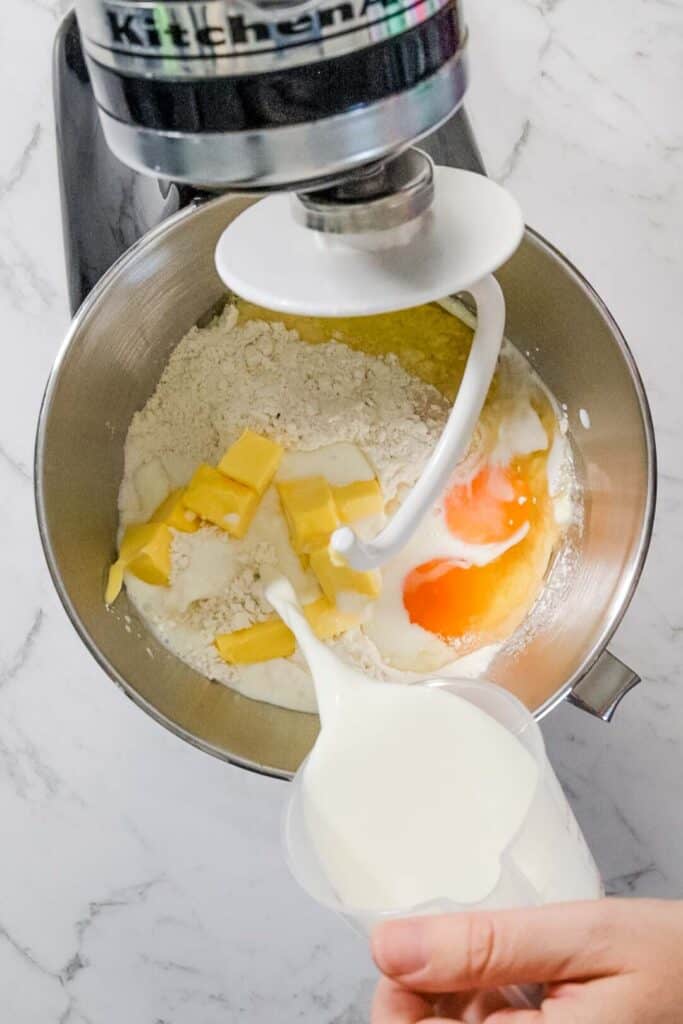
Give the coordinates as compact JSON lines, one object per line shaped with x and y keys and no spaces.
{"x":110,"y":364}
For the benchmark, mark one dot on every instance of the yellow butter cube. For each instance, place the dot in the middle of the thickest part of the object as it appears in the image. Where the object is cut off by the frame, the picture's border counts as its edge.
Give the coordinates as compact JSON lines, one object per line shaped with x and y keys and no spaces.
{"x":223,"y":502}
{"x":260,"y":642}
{"x":358,"y":500}
{"x":173,"y":512}
{"x":272,"y":639}
{"x":146,"y":552}
{"x":204,"y":474}
{"x":114,"y":582}
{"x":326,"y":621}
{"x":310,"y":511}
{"x":334,"y":576}
{"x":252,"y":461}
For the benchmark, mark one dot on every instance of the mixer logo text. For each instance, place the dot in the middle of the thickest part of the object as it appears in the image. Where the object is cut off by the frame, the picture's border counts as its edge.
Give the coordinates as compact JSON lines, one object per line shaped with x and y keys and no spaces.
{"x":210,"y":30}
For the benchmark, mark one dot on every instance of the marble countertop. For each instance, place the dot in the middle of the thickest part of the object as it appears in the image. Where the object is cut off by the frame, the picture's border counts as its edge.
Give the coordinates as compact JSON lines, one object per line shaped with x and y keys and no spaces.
{"x":141,"y":880}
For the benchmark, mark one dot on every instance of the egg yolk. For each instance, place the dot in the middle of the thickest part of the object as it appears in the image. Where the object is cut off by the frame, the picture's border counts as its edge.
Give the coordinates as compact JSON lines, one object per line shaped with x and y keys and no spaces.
{"x":447,"y":598}
{"x":453,"y":599}
{"x":491,"y":507}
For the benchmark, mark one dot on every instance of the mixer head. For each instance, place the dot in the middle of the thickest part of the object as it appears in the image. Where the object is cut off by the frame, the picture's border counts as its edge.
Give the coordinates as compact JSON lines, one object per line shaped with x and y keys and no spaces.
{"x":322,"y":98}
{"x":272,"y":94}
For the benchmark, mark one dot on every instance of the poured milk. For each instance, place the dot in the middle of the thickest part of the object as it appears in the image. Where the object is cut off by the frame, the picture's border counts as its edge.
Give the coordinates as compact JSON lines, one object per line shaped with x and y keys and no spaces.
{"x":412,"y":794}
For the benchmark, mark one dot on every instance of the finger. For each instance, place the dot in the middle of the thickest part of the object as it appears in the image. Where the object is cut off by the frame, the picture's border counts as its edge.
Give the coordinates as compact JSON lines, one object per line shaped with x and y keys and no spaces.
{"x":516,"y":1017}
{"x":456,"y":952}
{"x":470,"y":1007}
{"x":394,"y":1004}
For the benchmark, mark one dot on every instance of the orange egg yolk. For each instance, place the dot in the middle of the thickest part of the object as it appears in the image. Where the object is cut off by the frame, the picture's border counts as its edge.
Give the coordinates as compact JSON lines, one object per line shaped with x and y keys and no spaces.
{"x":453,"y":600}
{"x":491,"y":507}
{"x":447,"y":598}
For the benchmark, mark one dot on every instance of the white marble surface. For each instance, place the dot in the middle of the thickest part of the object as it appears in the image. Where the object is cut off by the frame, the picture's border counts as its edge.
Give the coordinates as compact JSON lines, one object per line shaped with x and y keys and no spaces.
{"x":141,"y":881}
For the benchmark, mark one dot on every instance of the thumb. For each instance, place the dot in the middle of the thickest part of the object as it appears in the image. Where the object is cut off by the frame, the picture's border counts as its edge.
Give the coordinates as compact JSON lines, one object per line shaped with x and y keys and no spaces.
{"x":458,"y":952}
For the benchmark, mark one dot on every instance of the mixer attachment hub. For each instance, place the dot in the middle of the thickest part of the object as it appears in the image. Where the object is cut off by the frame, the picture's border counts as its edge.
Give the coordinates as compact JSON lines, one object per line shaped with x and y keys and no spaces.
{"x":376,"y":197}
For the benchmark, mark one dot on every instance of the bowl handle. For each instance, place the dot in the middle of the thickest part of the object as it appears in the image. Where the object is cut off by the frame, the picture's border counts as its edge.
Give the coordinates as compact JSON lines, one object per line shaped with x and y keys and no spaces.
{"x":601,"y":690}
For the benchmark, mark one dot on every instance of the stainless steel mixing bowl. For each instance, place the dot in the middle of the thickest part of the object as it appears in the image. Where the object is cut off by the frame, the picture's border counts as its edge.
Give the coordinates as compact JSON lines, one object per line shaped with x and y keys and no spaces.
{"x":108,"y":367}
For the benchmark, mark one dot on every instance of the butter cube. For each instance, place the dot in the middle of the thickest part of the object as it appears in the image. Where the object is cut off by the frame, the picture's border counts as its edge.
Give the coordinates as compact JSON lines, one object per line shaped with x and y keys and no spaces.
{"x":335,"y":576}
{"x":272,"y":639}
{"x":204,"y":474}
{"x":326,"y":621}
{"x":260,"y":642}
{"x":223,"y":502}
{"x":252,"y":461}
{"x":114,"y":582}
{"x":173,"y":512}
{"x":358,"y":500}
{"x":146,"y":552}
{"x":310,"y":512}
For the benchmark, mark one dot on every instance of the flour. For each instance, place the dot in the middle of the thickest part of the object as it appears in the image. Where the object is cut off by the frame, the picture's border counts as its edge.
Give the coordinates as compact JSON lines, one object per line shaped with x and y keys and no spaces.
{"x":220,"y":380}
{"x":228,"y":376}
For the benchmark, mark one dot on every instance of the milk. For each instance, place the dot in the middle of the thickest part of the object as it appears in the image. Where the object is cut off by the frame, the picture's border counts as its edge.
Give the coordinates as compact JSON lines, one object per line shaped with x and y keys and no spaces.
{"x":414,"y":795}
{"x":398,"y":786}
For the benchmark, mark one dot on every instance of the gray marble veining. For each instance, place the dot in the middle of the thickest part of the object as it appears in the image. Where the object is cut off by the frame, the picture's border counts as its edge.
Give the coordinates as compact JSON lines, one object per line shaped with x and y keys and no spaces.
{"x":141,"y":880}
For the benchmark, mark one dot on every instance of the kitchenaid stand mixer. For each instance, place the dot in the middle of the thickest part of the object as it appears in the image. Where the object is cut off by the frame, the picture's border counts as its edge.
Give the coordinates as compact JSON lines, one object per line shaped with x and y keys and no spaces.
{"x":108,"y":207}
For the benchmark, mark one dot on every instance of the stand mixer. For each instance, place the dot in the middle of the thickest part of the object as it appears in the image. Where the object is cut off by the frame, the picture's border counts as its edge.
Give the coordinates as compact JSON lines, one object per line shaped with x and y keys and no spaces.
{"x":270,"y":94}
{"x":324,"y":101}
{"x":171,"y":119}
{"x":211,"y":96}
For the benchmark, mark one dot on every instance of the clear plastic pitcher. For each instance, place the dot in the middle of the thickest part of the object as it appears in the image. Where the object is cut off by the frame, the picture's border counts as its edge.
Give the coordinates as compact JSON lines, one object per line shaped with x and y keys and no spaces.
{"x":546,"y":861}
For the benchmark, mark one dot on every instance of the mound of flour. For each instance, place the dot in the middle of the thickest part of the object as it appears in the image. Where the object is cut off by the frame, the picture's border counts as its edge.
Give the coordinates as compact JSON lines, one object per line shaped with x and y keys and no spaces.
{"x":220,"y":380}
{"x":229,"y":376}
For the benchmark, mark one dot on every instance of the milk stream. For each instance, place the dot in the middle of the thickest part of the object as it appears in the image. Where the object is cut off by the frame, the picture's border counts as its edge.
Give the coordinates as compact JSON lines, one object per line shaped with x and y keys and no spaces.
{"x":414,"y":796}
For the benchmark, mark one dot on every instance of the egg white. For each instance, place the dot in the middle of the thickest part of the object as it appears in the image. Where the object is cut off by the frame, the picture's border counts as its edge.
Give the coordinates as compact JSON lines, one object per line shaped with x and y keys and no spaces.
{"x":402,"y":643}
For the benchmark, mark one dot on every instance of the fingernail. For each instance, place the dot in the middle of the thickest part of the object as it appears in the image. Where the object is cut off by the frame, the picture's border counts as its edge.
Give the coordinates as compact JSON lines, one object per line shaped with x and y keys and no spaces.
{"x":398,"y":947}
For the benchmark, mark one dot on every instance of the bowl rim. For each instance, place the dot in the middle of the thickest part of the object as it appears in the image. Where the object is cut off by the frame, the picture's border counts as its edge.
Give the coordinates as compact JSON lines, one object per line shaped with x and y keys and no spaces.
{"x":629,"y":582}
{"x":620,"y":601}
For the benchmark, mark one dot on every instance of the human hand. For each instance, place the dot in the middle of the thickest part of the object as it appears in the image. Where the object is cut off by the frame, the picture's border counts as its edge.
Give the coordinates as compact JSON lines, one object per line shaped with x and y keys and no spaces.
{"x":603,"y":962}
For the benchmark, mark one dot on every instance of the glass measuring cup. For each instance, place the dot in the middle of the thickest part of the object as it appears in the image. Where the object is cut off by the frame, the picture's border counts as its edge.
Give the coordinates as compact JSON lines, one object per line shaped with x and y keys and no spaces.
{"x":547,"y":860}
